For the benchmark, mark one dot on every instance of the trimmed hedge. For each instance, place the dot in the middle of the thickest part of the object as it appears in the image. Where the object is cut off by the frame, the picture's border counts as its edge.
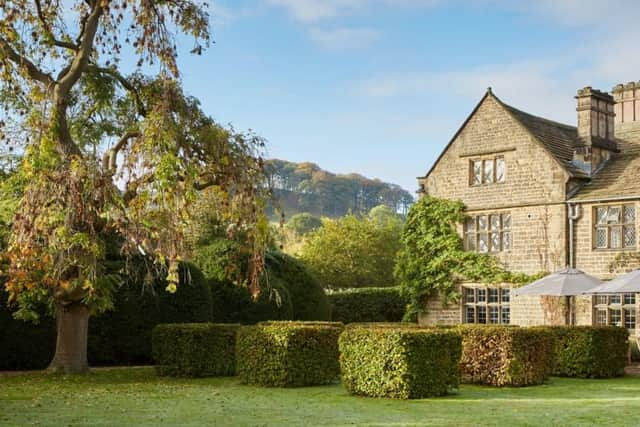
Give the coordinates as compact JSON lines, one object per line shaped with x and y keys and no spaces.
{"x":288,"y":354}
{"x":233,"y":304}
{"x":505,"y":355}
{"x":589,"y":351}
{"x":121,"y":336}
{"x":307,"y":296}
{"x":301,"y":296}
{"x":194,"y":349}
{"x":368,"y":305}
{"x":399,"y":362}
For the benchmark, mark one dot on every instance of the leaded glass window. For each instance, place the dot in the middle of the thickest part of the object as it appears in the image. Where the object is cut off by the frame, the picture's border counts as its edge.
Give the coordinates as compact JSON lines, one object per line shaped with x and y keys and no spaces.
{"x":483,"y":304}
{"x":501,"y":169}
{"x":487,"y":171}
{"x":477,"y":172}
{"x":488,"y":233}
{"x":615,"y":309}
{"x":615,"y":227}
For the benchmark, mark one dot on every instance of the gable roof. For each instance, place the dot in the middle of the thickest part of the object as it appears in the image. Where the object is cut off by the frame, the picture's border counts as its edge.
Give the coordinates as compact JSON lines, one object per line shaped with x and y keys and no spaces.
{"x":618,"y":179}
{"x":556,"y":138}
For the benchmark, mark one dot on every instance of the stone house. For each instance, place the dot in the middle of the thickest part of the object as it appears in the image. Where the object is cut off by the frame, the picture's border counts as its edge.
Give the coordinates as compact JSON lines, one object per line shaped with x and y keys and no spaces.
{"x":543,"y":195}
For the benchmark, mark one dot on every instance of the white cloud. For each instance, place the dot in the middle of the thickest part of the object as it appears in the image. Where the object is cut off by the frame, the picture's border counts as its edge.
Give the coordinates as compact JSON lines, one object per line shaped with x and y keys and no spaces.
{"x":344,"y":38}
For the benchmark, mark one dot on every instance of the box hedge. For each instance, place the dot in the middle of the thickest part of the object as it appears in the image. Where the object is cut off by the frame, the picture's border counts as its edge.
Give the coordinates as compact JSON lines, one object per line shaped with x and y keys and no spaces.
{"x":399,"y":362}
{"x":589,"y":351}
{"x":368,"y":305}
{"x":288,"y":354}
{"x":194,"y":349}
{"x":505,"y":356}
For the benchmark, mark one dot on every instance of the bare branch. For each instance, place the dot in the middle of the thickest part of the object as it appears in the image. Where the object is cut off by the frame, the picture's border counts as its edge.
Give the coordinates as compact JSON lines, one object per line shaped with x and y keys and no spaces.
{"x":81,"y":59}
{"x":21,"y":61}
{"x":110,"y":156}
{"x":47,"y":30}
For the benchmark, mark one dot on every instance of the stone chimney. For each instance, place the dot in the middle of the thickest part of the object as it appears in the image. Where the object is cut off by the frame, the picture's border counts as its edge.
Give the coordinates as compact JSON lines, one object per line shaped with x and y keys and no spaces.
{"x":627,"y":98}
{"x":596,"y":129}
{"x":595,"y":118}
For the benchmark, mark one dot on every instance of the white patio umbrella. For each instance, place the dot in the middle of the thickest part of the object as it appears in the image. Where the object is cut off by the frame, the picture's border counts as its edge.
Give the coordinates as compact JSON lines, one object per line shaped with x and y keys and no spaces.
{"x":628,"y":283}
{"x":563,"y":283}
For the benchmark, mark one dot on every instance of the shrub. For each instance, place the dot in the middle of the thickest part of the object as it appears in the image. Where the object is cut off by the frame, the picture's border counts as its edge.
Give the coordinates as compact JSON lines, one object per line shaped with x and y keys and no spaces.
{"x":122,"y":336}
{"x":194,"y":349}
{"x":307,"y":296}
{"x":505,"y":356}
{"x":589,"y":351}
{"x":288,"y":354}
{"x":293,"y":292}
{"x":399,"y":362}
{"x":233,"y":304}
{"x":368,"y":305}
{"x":24,"y":345}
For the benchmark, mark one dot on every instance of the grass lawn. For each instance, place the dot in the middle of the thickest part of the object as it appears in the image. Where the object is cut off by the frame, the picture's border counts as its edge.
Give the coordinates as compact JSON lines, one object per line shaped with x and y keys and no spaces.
{"x":135,"y":396}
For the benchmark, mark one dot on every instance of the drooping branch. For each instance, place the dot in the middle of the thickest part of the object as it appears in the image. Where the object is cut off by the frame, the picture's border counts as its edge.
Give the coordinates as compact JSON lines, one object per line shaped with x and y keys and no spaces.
{"x":47,"y":29}
{"x":126,"y":84}
{"x":21,"y":61}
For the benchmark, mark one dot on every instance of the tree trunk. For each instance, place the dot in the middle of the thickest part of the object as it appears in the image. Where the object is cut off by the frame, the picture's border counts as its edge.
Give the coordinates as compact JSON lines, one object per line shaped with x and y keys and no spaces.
{"x":72,"y":322}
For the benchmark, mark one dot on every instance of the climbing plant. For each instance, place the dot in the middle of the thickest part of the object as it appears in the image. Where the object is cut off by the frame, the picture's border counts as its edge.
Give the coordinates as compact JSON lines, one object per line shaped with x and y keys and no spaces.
{"x":433,"y":260}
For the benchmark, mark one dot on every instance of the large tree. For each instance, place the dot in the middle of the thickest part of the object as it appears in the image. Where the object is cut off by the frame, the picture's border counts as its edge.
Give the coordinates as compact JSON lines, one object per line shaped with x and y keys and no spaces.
{"x":107,"y":151}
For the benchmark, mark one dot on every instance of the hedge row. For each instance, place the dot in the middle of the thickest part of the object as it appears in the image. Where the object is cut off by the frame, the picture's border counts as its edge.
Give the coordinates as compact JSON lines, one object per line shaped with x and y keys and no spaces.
{"x":195,"y":350}
{"x":288,"y":354}
{"x":368,"y":305}
{"x":505,"y":356}
{"x":123,"y":336}
{"x":589,"y":351}
{"x":399,"y":362}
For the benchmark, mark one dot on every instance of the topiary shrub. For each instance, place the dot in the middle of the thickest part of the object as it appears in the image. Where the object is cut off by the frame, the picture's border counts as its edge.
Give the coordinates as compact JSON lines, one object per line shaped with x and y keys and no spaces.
{"x":399,"y":362}
{"x":194,"y":349}
{"x":233,"y":304}
{"x":589,"y":351}
{"x":505,"y":355}
{"x":288,"y":354}
{"x":24,"y":345}
{"x":368,"y":305}
{"x":290,"y":291}
{"x":307,"y":296}
{"x":122,"y":336}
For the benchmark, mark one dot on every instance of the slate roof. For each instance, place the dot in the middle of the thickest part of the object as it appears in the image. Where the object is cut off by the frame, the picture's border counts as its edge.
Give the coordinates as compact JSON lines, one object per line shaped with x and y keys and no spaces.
{"x":619,"y":178}
{"x":557,"y":138}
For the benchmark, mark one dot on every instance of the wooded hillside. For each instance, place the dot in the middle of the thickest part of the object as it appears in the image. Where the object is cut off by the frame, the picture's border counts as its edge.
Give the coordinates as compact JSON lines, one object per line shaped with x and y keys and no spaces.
{"x":305,"y":187}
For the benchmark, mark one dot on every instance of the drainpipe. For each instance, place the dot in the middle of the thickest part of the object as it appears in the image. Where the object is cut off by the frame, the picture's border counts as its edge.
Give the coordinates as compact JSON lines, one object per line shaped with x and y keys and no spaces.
{"x":574,"y":214}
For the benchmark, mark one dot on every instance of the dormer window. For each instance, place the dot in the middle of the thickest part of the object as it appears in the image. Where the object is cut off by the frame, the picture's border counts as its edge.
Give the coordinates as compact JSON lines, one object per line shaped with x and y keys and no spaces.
{"x":487,"y":171}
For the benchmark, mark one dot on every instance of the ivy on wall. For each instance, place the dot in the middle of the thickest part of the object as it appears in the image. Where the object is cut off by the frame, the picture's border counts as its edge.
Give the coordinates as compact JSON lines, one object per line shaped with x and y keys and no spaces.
{"x":433,"y":259}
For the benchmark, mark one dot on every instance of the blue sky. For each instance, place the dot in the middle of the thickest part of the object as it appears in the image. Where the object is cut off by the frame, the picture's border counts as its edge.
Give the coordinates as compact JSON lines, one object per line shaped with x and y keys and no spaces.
{"x":379,"y":87}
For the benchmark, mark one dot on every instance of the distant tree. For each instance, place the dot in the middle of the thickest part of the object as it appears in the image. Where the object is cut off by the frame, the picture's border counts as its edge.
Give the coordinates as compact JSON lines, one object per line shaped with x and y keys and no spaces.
{"x":305,"y":187}
{"x":352,"y":251}
{"x":303,"y":223}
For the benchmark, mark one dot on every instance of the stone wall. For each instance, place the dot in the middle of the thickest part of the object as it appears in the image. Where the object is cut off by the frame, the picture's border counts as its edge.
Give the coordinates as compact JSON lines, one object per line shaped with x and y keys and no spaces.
{"x":524,"y":310}
{"x":533,"y":191}
{"x":596,"y":261}
{"x":438,"y":313}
